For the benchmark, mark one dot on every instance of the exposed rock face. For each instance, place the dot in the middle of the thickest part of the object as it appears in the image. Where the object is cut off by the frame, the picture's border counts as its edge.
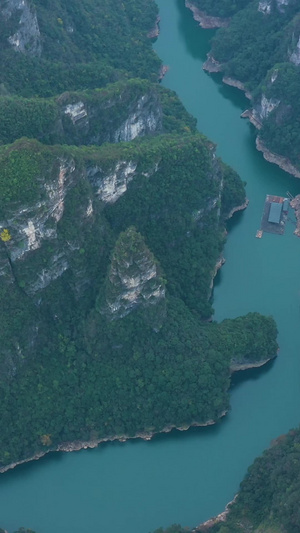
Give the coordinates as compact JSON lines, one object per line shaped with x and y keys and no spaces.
{"x":282,"y":3}
{"x":278,"y":159}
{"x":27,"y":38}
{"x":206,"y":21}
{"x":238,"y":84}
{"x":95,"y":121}
{"x":154,"y":32}
{"x":56,"y":267}
{"x":261,"y":111}
{"x":76,"y":111}
{"x":266,"y":106}
{"x":208,"y":524}
{"x":138,"y":123}
{"x":113,"y":184}
{"x":212,"y":65}
{"x":134,"y":278}
{"x":239,"y":367}
{"x":274,"y":75}
{"x":31,"y":224}
{"x":265,"y":7}
{"x":36,"y":254}
{"x":295,"y":55}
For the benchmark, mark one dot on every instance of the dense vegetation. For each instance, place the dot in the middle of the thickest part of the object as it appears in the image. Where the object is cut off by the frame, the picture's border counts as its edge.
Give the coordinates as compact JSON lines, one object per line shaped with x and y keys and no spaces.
{"x":281,"y":128}
{"x":88,"y":222}
{"x":260,"y":49}
{"x":253,"y":42}
{"x":268,"y":500}
{"x":93,"y":377}
{"x":220,"y":8}
{"x":84,"y":45}
{"x":47,"y":119}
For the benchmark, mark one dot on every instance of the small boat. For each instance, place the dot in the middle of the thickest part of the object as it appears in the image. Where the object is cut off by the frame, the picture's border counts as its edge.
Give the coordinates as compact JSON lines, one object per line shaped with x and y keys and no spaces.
{"x":259,"y":233}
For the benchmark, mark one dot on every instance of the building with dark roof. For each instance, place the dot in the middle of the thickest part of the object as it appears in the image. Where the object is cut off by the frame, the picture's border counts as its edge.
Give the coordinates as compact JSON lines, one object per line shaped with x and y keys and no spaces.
{"x":275,"y":212}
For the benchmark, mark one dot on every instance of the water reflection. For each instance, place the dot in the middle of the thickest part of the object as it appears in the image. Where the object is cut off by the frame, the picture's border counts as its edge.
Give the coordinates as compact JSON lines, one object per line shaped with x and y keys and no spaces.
{"x":253,"y":374}
{"x":197,"y":45}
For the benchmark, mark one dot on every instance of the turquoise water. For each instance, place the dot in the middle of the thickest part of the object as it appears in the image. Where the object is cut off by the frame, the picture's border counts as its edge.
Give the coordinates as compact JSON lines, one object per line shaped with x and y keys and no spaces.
{"x":137,"y":486}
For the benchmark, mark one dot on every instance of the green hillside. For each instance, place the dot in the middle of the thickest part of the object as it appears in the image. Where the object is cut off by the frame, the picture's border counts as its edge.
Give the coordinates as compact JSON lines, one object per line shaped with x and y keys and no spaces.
{"x":112,"y":221}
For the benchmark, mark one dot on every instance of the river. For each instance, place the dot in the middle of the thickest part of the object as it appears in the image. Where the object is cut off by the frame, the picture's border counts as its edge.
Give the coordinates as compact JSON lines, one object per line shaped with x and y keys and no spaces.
{"x":137,"y":486}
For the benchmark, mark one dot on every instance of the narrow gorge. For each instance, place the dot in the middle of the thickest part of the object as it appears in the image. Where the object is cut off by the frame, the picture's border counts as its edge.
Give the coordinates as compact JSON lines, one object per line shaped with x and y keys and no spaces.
{"x":113,"y":218}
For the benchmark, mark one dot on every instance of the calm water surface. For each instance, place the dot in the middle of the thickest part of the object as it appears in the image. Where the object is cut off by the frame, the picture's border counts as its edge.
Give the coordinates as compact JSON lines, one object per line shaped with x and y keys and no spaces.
{"x":188,"y":477}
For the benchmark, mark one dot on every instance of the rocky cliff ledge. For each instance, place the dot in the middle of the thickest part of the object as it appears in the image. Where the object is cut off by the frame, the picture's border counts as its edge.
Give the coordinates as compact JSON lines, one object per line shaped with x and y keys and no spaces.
{"x":212,"y":65}
{"x":206,"y":21}
{"x":256,"y":115}
{"x":282,"y":162}
{"x":239,"y":367}
{"x":209,"y":524}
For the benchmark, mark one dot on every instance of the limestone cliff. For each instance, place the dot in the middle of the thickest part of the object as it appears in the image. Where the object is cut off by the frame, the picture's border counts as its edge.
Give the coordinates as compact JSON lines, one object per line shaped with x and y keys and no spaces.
{"x":54,"y":232}
{"x":119,"y":114}
{"x":269,"y":77}
{"x":267,"y":6}
{"x":36,"y":249}
{"x":26,"y":38}
{"x":134,"y":278}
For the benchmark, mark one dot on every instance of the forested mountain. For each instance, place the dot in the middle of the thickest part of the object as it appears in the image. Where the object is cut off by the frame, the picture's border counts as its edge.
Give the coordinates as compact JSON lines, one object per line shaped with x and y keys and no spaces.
{"x":268,"y":499}
{"x":261,"y":49}
{"x":112,"y":222}
{"x":269,"y":495}
{"x":64,"y":45}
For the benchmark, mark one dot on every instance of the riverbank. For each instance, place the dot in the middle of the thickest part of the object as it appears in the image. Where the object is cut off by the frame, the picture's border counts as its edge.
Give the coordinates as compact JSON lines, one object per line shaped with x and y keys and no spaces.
{"x":221,"y":517}
{"x":154,"y":33}
{"x":211,"y":65}
{"x":238,"y":84}
{"x":248,"y":113}
{"x":283,"y":162}
{"x":295,"y":204}
{"x":163,"y":71}
{"x":238,"y":208}
{"x":78,"y":445}
{"x":240,"y":367}
{"x":221,"y":260}
{"x":206,"y":21}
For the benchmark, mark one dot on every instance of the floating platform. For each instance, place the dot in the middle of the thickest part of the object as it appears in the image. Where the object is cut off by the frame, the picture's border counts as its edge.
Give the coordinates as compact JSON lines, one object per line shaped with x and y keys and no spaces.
{"x":274,"y":215}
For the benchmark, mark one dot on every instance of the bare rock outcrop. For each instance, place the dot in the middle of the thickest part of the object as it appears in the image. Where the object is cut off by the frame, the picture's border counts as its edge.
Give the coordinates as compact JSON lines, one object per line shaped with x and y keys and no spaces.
{"x":134,"y":279}
{"x":26,"y":38}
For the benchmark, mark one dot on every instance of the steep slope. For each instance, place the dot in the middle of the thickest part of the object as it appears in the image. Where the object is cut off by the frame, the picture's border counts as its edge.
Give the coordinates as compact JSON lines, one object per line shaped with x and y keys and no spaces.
{"x":259,"y":53}
{"x":120,"y":112}
{"x":133,"y":279}
{"x":70,"y":371}
{"x":48,"y":48}
{"x":268,"y":499}
{"x":112,"y":222}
